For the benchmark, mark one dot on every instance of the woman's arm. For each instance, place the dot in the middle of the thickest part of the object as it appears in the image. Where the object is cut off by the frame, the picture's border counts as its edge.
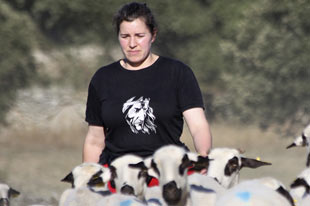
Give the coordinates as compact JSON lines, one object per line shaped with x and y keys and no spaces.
{"x":199,"y":129}
{"x":94,"y":144}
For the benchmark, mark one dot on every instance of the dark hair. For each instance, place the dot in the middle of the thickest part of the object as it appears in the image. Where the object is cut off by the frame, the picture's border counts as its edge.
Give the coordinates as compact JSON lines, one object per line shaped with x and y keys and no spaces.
{"x":132,"y":11}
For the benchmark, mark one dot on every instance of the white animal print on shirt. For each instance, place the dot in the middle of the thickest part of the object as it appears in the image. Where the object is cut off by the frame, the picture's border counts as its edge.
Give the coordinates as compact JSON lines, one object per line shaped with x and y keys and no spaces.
{"x":139,"y":115}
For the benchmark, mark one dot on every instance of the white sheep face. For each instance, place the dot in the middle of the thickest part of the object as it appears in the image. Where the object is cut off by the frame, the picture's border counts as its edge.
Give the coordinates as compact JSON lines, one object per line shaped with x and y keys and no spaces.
{"x":226,"y":163}
{"x":128,"y":180}
{"x":81,"y":175}
{"x":171,"y":163}
{"x":221,"y":160}
{"x":6,"y":192}
{"x":303,"y":141}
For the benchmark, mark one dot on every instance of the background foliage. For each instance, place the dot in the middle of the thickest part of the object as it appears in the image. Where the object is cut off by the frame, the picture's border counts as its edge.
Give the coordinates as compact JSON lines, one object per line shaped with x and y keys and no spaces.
{"x":250,"y":57}
{"x":16,"y":62}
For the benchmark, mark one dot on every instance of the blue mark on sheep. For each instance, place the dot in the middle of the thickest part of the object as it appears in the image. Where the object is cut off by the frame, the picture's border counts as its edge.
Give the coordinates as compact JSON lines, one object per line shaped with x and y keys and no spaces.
{"x":201,"y":189}
{"x":244,"y":196}
{"x":126,"y":203}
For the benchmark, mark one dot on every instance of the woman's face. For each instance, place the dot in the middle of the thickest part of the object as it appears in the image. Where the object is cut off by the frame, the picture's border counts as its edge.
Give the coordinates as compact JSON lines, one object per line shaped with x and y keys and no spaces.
{"x":135,"y":39}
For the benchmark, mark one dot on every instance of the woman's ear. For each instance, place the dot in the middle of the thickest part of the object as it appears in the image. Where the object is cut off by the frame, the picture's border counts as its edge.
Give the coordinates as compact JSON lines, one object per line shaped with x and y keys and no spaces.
{"x":154,"y":35}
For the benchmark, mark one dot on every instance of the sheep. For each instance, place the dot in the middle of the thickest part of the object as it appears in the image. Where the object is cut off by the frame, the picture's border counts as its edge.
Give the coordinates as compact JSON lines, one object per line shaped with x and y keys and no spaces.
{"x":256,"y":192}
{"x":169,"y":164}
{"x":303,"y":141}
{"x":226,"y":164}
{"x":89,"y":185}
{"x":88,"y":196}
{"x":81,"y":196}
{"x":126,"y":179}
{"x":117,"y":199}
{"x":153,"y":196}
{"x":204,"y":190}
{"x":6,"y":193}
{"x":277,"y":186}
{"x":206,"y":182}
{"x":83,"y":173}
{"x":300,"y":187}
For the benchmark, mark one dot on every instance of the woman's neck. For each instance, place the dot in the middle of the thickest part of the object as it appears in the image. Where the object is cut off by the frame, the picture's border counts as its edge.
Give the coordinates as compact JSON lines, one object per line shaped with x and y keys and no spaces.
{"x":139,"y":65}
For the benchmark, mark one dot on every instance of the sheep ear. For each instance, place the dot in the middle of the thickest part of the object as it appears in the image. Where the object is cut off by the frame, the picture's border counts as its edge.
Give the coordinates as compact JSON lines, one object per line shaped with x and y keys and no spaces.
{"x":252,"y":163}
{"x":201,"y":163}
{"x":141,"y":166}
{"x":113,"y":172}
{"x":150,"y":166}
{"x":69,"y":178}
{"x":13,"y":193}
{"x":153,"y":170}
{"x":291,"y":145}
{"x":241,"y":151}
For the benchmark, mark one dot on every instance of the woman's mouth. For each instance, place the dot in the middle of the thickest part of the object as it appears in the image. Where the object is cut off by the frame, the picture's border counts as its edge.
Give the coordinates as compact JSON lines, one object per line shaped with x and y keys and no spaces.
{"x":133,"y":53}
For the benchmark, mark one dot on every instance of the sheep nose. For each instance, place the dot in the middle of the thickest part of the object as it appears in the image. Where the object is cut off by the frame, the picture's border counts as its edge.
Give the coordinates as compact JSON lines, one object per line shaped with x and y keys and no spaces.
{"x":171,"y":193}
{"x":4,"y":202}
{"x":128,"y":190}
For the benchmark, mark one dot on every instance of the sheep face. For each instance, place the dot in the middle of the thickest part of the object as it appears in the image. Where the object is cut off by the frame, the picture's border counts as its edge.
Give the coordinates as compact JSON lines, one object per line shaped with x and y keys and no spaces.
{"x":128,"y":180}
{"x":170,"y":163}
{"x":226,"y":164}
{"x":303,"y":141}
{"x":6,"y":193}
{"x":88,"y":174}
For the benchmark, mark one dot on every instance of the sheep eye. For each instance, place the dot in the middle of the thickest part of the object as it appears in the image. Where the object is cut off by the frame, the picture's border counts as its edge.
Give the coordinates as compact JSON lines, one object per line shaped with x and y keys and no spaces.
{"x":232,"y":166}
{"x":184,"y":165}
{"x":97,"y":175}
{"x":142,"y":174}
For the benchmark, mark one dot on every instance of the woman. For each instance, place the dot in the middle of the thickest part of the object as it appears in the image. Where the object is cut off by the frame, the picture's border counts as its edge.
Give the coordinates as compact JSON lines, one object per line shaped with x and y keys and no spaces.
{"x":137,"y":104}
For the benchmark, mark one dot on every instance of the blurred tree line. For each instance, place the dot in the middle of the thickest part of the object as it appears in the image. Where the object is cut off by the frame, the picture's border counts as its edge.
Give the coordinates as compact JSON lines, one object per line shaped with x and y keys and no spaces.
{"x":250,"y":57}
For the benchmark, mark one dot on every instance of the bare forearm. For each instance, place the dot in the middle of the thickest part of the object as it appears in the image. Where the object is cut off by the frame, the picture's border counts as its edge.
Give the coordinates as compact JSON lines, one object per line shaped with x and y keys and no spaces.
{"x":203,"y":141}
{"x":199,"y":129}
{"x":94,"y":144}
{"x":91,"y":152}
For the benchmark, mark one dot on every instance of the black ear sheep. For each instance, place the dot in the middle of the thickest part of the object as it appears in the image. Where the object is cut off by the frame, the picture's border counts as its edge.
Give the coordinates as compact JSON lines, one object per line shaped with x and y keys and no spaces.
{"x":6,"y":193}
{"x":226,"y":163}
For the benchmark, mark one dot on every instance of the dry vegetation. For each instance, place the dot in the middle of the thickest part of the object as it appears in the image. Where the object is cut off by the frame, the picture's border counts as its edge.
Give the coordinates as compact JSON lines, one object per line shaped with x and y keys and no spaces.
{"x":34,"y":159}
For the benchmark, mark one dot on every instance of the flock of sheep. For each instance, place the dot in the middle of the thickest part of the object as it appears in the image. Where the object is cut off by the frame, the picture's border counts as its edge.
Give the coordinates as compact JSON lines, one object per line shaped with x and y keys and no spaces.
{"x":180,"y":181}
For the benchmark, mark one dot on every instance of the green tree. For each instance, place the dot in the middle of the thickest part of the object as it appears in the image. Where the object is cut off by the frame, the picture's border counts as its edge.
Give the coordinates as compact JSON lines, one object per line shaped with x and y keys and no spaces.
{"x":71,"y":22}
{"x":269,"y":80}
{"x":17,"y":66}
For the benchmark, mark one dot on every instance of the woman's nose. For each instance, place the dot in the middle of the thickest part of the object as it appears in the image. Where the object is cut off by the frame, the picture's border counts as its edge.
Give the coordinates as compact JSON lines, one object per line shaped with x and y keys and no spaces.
{"x":132,"y":43}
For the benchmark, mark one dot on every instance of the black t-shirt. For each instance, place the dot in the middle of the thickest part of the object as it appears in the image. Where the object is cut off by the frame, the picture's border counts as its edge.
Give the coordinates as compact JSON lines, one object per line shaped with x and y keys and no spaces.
{"x":141,"y":110}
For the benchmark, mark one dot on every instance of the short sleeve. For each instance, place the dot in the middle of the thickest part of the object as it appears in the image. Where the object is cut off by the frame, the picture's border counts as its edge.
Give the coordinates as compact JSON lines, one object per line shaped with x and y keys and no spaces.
{"x":189,"y":92}
{"x":93,"y":107}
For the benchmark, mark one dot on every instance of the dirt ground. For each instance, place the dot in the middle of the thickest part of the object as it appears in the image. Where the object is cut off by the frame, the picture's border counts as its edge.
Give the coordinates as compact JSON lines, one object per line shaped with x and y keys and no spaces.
{"x":34,"y":161}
